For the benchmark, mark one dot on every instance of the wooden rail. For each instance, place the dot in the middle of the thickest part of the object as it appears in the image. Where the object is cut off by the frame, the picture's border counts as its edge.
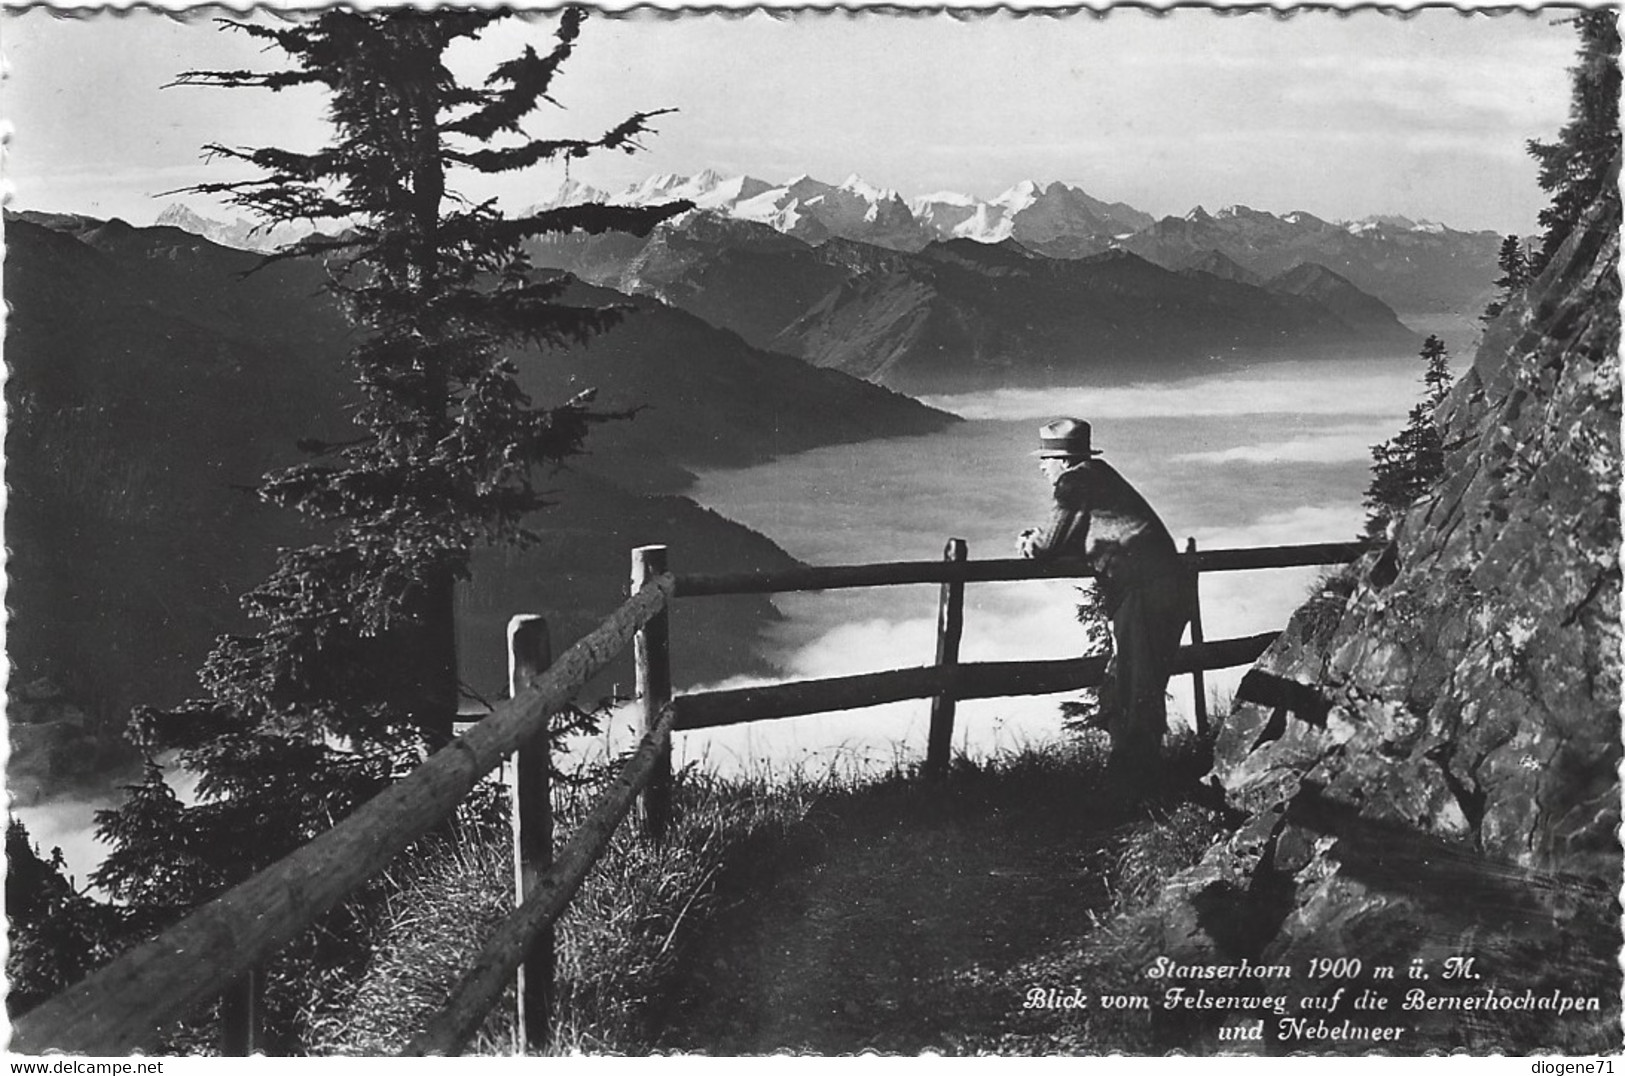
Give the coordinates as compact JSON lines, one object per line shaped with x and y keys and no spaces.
{"x":974,"y":680}
{"x":506,"y":949}
{"x":118,"y":1009}
{"x":220,"y":947}
{"x":994,"y":571}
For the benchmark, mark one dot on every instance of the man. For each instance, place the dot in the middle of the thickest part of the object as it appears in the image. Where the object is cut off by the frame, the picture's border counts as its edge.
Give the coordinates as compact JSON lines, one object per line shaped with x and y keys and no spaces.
{"x":1100,"y":518}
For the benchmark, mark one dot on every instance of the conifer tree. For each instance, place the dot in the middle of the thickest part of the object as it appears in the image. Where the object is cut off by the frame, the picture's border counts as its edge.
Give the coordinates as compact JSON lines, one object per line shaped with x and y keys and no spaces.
{"x":1515,"y":276}
{"x":1436,"y":377}
{"x":1407,"y":465}
{"x":1576,"y":168}
{"x":352,"y":675}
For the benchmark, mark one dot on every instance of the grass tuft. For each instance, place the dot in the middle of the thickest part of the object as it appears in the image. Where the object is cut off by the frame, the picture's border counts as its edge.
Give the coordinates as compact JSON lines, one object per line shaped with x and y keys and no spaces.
{"x":633,"y":935}
{"x":618,"y":943}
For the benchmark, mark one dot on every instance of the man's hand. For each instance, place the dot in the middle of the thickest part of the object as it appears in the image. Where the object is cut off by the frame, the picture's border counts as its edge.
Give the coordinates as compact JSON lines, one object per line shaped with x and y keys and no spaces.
{"x":1025,"y":543}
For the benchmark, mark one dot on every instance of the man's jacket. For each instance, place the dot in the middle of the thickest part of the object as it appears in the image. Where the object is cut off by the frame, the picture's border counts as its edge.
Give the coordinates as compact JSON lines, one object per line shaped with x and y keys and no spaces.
{"x":1100,"y":517}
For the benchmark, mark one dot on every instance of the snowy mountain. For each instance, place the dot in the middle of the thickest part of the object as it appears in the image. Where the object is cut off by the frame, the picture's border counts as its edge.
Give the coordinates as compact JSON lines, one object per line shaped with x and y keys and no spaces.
{"x":961,"y":314}
{"x":239,"y":234}
{"x":1053,"y":219}
{"x":1057,"y":220}
{"x":1413,"y":266}
{"x":815,"y":211}
{"x":1379,"y":223}
{"x":708,"y":190}
{"x":572,"y":193}
{"x":950,"y":214}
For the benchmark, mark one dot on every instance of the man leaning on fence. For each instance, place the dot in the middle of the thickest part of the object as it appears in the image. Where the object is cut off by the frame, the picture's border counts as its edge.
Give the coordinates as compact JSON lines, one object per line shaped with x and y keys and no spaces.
{"x":1100,"y":518}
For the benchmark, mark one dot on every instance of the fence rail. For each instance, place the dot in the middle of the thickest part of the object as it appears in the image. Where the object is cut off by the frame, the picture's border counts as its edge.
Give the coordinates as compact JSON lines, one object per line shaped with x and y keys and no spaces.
{"x":219,"y":949}
{"x":840,"y":577}
{"x":493,"y":969}
{"x":118,"y":1009}
{"x":972,"y":680}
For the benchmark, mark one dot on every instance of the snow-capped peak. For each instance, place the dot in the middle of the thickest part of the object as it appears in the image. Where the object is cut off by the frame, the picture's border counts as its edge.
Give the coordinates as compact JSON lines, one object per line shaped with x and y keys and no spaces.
{"x":944,"y":198}
{"x":1393,"y":222}
{"x":658,"y":186}
{"x":571,"y":192}
{"x":856,"y":184}
{"x":1020,"y":196}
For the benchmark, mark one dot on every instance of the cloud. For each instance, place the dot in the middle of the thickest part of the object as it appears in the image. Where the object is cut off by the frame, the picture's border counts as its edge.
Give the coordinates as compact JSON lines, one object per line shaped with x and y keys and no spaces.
{"x":1304,"y":523}
{"x":1335,"y":444}
{"x":1375,"y":387}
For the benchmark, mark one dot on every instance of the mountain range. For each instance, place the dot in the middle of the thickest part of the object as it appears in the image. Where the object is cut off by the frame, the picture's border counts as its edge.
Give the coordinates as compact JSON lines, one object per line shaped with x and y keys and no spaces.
{"x":1052,"y":219}
{"x":237,"y":233}
{"x":962,"y":315}
{"x":1420,"y":267}
{"x":152,"y":384}
{"x":1416,"y":267}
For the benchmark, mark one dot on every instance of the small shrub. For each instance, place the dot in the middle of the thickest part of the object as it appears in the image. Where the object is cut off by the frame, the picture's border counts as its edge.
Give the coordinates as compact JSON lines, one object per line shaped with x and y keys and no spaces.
{"x":1149,"y":852}
{"x":1323,"y":610}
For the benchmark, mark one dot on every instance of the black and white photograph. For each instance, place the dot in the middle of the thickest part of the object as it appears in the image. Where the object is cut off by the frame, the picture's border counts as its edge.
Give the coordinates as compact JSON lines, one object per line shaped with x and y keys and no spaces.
{"x":973,"y":531}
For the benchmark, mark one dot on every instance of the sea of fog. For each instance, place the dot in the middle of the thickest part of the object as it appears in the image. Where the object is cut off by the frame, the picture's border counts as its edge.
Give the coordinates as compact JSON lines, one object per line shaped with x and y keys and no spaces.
{"x":1271,"y":455}
{"x":1276,"y":454}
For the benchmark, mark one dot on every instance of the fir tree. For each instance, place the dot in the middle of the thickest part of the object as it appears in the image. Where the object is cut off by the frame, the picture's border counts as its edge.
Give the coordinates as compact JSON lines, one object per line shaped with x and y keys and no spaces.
{"x":1436,"y":377}
{"x":1577,"y":168}
{"x":55,"y":933}
{"x":1515,"y":276}
{"x":353,"y":674}
{"x":1407,"y":465}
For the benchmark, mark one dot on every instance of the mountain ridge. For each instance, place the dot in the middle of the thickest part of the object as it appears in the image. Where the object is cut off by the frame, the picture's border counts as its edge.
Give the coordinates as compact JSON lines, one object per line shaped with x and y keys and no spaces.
{"x":1416,"y":266}
{"x":152,"y":384}
{"x":959,"y":314}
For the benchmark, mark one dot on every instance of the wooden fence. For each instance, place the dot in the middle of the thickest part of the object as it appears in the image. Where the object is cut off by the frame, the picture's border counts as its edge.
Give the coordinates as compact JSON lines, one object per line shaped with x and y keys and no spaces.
{"x":217,"y":950}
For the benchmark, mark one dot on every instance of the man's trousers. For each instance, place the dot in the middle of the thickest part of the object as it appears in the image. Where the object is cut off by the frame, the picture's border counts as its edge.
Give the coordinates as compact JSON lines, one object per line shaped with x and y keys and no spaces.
{"x":1148,"y":620}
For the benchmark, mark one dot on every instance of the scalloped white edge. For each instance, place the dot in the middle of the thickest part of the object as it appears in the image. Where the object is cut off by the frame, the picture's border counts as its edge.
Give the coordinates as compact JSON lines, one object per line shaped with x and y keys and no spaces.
{"x":662,"y":9}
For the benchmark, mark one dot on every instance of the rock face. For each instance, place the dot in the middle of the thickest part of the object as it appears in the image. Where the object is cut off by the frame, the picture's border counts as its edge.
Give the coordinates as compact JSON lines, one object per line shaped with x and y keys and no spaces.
{"x":1429,"y":754}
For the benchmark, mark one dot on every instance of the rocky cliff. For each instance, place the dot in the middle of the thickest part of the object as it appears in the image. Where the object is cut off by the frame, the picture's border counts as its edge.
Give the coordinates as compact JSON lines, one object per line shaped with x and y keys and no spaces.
{"x":1428,"y":757}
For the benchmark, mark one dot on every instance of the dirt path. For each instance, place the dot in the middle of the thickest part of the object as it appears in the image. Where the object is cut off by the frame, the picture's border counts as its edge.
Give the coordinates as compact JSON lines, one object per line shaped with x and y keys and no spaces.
{"x":895,"y":930}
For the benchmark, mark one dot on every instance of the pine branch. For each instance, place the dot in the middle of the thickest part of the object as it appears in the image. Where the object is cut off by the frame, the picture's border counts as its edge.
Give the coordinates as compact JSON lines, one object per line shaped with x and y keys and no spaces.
{"x":264,"y":80}
{"x":528,"y":77}
{"x":622,"y":137}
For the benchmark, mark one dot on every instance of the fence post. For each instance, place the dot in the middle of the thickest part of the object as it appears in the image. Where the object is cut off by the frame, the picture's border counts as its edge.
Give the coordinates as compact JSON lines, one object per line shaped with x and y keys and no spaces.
{"x":652,"y":651}
{"x":1198,"y":682}
{"x":242,"y":1016}
{"x":530,"y":652}
{"x":950,"y":626}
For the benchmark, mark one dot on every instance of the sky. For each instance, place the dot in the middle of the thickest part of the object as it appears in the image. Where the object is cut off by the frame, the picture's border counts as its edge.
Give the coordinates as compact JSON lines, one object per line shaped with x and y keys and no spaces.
{"x":1342,"y":116}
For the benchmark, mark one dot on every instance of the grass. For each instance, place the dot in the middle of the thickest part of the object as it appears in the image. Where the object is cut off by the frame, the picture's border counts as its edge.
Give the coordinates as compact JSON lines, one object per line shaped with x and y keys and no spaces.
{"x":618,"y":943}
{"x":647,"y":907}
{"x":1323,"y":607}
